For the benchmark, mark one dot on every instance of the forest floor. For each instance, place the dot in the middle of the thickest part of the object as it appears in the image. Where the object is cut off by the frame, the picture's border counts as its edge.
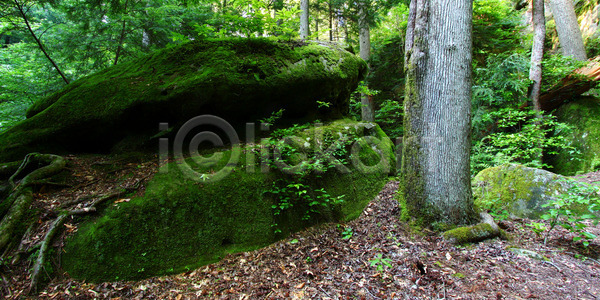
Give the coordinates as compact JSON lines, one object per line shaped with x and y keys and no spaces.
{"x":373,"y":257}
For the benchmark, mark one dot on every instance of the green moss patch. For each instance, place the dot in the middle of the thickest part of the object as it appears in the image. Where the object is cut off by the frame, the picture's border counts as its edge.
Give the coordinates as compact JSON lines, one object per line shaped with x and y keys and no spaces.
{"x":519,"y":190}
{"x":185,"y":219}
{"x":240,"y":80}
{"x":584,"y":115}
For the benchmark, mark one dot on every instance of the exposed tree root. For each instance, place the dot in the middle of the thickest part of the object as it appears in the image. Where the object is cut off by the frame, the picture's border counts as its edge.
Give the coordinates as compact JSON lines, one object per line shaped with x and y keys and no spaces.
{"x":487,"y":229}
{"x":55,"y":228}
{"x":20,"y":199}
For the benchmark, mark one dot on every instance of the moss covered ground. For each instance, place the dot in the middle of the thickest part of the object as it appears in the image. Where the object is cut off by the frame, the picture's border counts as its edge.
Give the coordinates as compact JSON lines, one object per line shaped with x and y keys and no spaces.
{"x":183,"y":222}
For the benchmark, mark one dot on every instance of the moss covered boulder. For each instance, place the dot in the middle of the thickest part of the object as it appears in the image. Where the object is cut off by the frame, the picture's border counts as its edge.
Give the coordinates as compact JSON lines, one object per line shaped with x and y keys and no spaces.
{"x":187,"y":218}
{"x":240,"y":80}
{"x":584,"y":115}
{"x":519,"y":190}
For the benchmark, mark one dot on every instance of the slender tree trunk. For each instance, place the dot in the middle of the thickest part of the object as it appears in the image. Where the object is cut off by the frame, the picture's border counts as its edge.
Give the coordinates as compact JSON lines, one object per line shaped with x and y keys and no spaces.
{"x":304,"y":19}
{"x":317,"y":28}
{"x":569,"y":35}
{"x":436,"y":182}
{"x":364,"y":37}
{"x":277,"y":6}
{"x":537,"y":52}
{"x":37,"y":40}
{"x":330,"y":22}
{"x":121,"y":37}
{"x":535,"y":72}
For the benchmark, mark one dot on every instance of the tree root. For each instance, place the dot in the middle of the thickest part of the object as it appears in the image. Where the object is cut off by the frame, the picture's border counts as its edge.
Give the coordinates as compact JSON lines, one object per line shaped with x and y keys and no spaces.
{"x":487,"y":229}
{"x":17,"y":206}
{"x":54,"y":229}
{"x":22,"y":196}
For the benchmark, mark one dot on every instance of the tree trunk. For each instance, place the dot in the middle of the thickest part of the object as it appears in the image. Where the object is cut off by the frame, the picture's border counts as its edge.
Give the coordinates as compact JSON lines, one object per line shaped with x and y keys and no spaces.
{"x":569,"y":35}
{"x":121,"y":37}
{"x":330,"y":22}
{"x":317,"y":28}
{"x":304,"y":19}
{"x":537,"y":52}
{"x":364,"y":38}
{"x":19,"y":7}
{"x":436,"y":181}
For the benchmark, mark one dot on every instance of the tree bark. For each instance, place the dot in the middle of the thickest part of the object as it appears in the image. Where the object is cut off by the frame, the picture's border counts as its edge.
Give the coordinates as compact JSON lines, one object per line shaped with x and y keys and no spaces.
{"x":537,"y":52}
{"x":330,"y":22}
{"x":569,"y":35}
{"x":19,"y":7}
{"x":364,"y":38}
{"x":304,"y":19}
{"x":121,"y":37}
{"x":436,"y":182}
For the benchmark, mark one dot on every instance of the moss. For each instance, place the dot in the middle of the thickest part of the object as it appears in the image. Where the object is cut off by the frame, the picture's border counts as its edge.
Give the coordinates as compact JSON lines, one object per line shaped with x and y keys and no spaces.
{"x":519,"y":190}
{"x":471,"y":234}
{"x":584,"y":115}
{"x":241,"y":80}
{"x":182,"y":222}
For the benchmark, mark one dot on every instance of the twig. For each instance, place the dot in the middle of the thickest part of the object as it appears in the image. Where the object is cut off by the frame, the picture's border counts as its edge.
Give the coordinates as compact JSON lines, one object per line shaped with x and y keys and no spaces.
{"x":552,"y":264}
{"x":367,"y":289}
{"x":325,"y":292}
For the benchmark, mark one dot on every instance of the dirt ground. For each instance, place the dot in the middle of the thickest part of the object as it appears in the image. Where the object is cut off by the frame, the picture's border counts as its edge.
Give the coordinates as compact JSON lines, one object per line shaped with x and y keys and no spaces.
{"x":373,"y":257}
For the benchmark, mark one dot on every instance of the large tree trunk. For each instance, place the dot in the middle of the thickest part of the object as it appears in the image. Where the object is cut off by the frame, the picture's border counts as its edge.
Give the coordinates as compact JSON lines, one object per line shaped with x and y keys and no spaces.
{"x":436,"y":183}
{"x":304,"y":19}
{"x":569,"y":34}
{"x":364,"y":38}
{"x":537,"y":52}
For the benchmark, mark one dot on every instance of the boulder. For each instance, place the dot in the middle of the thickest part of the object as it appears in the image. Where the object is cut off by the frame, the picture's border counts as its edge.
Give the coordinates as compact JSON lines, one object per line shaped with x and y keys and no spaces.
{"x":189,"y":216}
{"x":520,"y":190}
{"x":240,"y":80}
{"x":584,"y":116}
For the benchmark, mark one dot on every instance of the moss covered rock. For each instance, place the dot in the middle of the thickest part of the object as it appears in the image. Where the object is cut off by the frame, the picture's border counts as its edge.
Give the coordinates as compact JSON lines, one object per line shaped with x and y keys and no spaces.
{"x":240,"y":80}
{"x":187,"y":219}
{"x":584,"y":115}
{"x":519,"y":190}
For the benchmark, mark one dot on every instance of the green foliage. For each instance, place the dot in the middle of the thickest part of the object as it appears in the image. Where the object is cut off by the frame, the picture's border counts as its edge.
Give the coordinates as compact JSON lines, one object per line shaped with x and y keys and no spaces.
{"x":496,"y":28}
{"x":573,"y":211}
{"x":502,"y":83}
{"x":346,"y":231}
{"x":380,"y":263}
{"x":503,"y":131}
{"x":556,"y":67}
{"x":389,"y":117}
{"x":592,"y":46}
{"x":523,"y":138}
{"x":289,"y":195}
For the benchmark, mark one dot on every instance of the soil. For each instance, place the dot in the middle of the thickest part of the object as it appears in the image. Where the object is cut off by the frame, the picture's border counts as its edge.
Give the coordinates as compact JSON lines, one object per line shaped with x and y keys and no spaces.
{"x":373,"y":257}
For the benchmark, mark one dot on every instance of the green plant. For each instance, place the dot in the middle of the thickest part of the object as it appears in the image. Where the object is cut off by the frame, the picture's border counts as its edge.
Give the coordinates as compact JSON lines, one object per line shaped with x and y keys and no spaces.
{"x":380,"y":263}
{"x":537,"y":228}
{"x":523,"y":137}
{"x":347,"y":232}
{"x":496,"y":208}
{"x":293,"y":194}
{"x":273,"y":117}
{"x":573,"y":210}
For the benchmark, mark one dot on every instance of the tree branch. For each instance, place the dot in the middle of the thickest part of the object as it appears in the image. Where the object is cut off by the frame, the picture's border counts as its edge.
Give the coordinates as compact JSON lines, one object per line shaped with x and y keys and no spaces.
{"x":37,"y":40}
